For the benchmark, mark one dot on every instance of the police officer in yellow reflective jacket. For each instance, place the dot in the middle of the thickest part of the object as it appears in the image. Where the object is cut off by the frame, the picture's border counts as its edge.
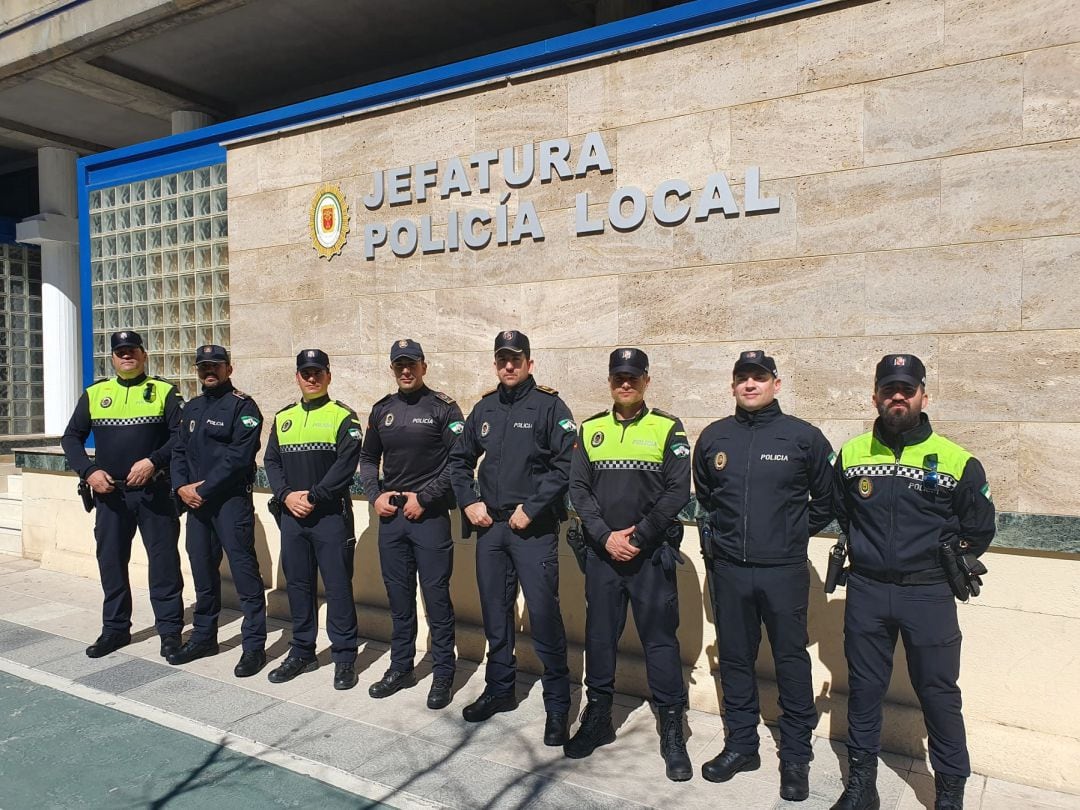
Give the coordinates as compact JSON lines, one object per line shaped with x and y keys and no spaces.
{"x":132,"y":417}
{"x":310,"y":460}
{"x":909,"y":499}
{"x":629,"y":478}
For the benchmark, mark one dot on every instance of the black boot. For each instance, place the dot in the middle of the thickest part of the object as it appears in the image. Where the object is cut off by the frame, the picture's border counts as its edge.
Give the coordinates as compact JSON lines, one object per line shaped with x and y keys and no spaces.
{"x":861,"y":791}
{"x":673,"y":744}
{"x":794,"y":781}
{"x":949,"y":791}
{"x":595,"y":730}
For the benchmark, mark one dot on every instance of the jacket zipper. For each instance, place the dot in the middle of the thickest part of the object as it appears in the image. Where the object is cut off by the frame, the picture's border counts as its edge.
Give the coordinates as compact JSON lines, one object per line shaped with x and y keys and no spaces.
{"x":891,"y":545}
{"x":746,"y":497}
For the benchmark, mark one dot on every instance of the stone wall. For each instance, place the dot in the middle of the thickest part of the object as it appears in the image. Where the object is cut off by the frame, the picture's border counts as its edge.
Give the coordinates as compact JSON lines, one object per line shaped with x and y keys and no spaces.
{"x":926,"y":155}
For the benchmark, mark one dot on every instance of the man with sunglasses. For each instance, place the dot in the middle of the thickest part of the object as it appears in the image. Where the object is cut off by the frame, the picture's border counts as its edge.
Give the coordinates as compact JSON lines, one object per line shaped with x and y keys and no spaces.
{"x":629,"y":480}
{"x":133,"y":417}
{"x":213,"y":469}
{"x":411,"y":432}
{"x":310,"y":461}
{"x":906,"y":497}
{"x":525,"y":434}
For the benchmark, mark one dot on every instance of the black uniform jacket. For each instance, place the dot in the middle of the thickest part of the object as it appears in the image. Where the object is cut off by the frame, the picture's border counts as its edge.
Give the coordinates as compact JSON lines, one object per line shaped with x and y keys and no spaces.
{"x":766,"y":480}
{"x":217,"y":442}
{"x":900,"y":497}
{"x":630,"y":473}
{"x":134,"y":419}
{"x":526,"y":436}
{"x":321,"y":458}
{"x":412,"y":434}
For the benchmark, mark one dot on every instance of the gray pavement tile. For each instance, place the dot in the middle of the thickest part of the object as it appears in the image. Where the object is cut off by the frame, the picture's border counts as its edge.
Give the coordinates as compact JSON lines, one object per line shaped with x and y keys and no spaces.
{"x":451,"y":729}
{"x":41,"y":652}
{"x":204,"y":699}
{"x":412,"y":765}
{"x":13,"y":636}
{"x":335,"y":741}
{"x":126,"y":675}
{"x":562,"y":795}
{"x":77,"y":665}
{"x":477,"y":783}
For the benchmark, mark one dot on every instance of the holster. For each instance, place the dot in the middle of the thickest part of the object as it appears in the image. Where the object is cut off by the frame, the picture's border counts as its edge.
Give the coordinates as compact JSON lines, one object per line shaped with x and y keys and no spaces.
{"x":836,"y":574}
{"x":575,"y":538}
{"x":86,"y":495}
{"x":274,"y":506}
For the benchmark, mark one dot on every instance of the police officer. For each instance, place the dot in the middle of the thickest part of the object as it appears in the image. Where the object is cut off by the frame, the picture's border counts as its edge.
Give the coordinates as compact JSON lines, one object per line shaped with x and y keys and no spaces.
{"x":629,"y":479}
{"x":765,"y":481}
{"x":526,"y":434}
{"x":132,"y":417}
{"x":907,"y":497}
{"x":411,"y":432}
{"x":310,"y":460}
{"x":213,"y":469}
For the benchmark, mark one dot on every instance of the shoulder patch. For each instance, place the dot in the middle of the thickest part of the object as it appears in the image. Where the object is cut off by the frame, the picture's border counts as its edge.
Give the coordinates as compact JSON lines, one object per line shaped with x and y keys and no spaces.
{"x":547,"y":390}
{"x":664,"y":414}
{"x":240,"y":394}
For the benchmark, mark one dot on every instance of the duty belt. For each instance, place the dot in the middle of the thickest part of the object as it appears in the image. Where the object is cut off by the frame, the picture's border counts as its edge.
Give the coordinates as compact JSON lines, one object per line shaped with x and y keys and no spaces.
{"x":931,"y":576}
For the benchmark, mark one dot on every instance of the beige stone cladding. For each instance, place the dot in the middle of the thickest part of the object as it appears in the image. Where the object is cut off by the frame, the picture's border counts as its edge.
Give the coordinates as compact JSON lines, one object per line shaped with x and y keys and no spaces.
{"x":926,"y":157}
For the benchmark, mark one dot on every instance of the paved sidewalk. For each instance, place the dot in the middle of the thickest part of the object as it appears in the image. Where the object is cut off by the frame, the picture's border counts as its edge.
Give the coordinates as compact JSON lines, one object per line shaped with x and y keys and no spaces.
{"x":396,"y":750}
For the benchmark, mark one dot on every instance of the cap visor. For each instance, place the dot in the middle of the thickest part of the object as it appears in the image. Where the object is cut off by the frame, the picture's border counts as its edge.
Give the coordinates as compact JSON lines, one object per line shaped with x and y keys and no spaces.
{"x":313,"y":365}
{"x":404,"y":356}
{"x":636,"y":371}
{"x":509,"y":349}
{"x":757,"y":366}
{"x":891,"y":378}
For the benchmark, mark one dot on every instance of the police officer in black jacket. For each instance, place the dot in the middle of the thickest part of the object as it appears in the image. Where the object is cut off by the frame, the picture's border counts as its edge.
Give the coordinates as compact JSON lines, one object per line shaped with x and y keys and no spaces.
{"x":411,"y":433}
{"x":213,"y":469}
{"x":765,"y":480}
{"x":526,"y":435}
{"x":132,"y":416}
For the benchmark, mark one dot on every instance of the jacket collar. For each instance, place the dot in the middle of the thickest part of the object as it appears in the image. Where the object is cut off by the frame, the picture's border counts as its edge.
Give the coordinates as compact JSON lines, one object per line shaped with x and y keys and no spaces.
{"x":519,"y":391}
{"x":898,"y":441}
{"x":132,"y":382}
{"x":763,"y":416}
{"x":219,"y":390}
{"x":314,"y":404}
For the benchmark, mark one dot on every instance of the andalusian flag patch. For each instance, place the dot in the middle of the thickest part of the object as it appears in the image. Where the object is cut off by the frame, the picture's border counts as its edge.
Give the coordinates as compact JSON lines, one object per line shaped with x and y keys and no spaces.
{"x":249,"y":421}
{"x":986,"y":492}
{"x":456,"y":427}
{"x":567,"y":425}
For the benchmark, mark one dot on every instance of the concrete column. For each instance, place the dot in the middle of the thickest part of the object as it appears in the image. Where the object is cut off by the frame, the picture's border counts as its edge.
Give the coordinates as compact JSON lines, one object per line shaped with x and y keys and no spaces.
{"x":56,"y":230}
{"x":187,"y":120}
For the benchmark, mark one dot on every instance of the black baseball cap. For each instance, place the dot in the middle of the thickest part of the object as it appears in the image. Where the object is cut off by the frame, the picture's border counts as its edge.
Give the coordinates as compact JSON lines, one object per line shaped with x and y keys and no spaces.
{"x":211,"y":353}
{"x":900,"y":368}
{"x":312,"y":358}
{"x":406,"y":348}
{"x":755,"y":358}
{"x":628,"y":361}
{"x":126,"y":339}
{"x":512,"y":341}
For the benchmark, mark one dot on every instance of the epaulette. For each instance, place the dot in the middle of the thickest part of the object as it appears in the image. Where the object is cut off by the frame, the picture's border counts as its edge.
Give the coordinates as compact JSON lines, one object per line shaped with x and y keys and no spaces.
{"x":282,"y":410}
{"x":449,"y":400}
{"x":381,"y":401}
{"x":236,"y":392}
{"x":664,"y":414}
{"x":101,"y":380}
{"x":159,"y":379}
{"x":598,"y":415}
{"x":341,"y":404}
{"x":489,"y":392}
{"x":554,"y":392}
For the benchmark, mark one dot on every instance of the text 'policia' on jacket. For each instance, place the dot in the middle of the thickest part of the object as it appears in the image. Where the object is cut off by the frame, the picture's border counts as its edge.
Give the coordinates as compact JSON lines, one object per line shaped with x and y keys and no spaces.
{"x":314,"y":445}
{"x":412,"y":433}
{"x":752,"y":472}
{"x":632,"y":473}
{"x":131,"y":420}
{"x":526,"y":435}
{"x":219,"y":438}
{"x":910,"y":499}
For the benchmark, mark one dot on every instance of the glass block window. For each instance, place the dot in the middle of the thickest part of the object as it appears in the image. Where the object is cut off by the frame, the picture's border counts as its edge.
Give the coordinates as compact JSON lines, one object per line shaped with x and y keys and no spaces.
{"x":22,"y":387}
{"x":159,"y":264}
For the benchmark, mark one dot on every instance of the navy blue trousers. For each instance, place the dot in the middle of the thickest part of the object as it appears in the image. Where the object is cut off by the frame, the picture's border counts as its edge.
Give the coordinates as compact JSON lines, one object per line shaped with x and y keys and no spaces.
{"x":925,"y":617}
{"x":652,"y":594}
{"x":320,"y":545}
{"x":503,"y":559}
{"x":151,"y":510}
{"x":227,"y":525}
{"x":424,"y":548}
{"x":744,"y":598}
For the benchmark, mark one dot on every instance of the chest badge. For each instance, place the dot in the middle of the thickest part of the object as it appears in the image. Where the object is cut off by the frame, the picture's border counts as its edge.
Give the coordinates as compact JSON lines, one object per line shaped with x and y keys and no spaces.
{"x":485,"y":429}
{"x":597,"y":439}
{"x":286,"y":425}
{"x":720,"y":460}
{"x":106,"y":402}
{"x":866,"y":487}
{"x":191,"y":426}
{"x":389,"y":420}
